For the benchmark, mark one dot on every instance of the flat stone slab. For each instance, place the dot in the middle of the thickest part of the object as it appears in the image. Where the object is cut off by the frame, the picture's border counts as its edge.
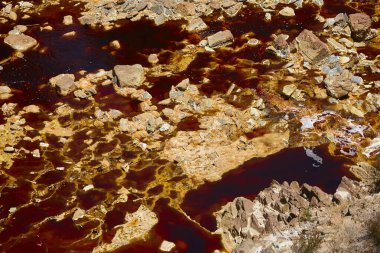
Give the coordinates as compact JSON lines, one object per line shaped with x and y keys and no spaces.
{"x":20,"y":42}
{"x":220,"y":39}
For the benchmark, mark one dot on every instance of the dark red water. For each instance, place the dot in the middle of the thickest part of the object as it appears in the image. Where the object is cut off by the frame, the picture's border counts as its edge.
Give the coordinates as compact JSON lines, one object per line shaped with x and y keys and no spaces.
{"x":255,"y":175}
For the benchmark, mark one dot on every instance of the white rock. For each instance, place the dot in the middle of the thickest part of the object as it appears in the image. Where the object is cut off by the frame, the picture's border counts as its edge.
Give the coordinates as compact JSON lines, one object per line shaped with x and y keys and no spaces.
{"x":287,"y":12}
{"x":167,"y":246}
{"x":88,"y":187}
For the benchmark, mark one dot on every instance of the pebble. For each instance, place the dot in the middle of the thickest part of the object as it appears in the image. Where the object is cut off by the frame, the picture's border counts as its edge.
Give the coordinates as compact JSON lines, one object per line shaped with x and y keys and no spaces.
{"x":36,"y":153}
{"x":9,"y":149}
{"x":44,"y":145}
{"x":68,"y":20}
{"x":167,"y":246}
{"x":287,"y":12}
{"x":88,"y":187}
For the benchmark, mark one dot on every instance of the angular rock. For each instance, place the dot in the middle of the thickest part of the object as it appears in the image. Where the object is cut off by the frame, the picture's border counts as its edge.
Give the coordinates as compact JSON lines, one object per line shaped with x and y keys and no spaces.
{"x":20,"y":42}
{"x":64,"y":83}
{"x":360,"y":25}
{"x":197,"y":24}
{"x":339,"y":85}
{"x":68,"y":20}
{"x":311,"y":47}
{"x":132,"y":76}
{"x":289,"y":89}
{"x":287,"y":12}
{"x":220,"y":39}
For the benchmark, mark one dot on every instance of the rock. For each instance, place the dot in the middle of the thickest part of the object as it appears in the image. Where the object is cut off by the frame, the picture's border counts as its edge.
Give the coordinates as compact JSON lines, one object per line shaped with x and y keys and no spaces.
{"x":220,"y":39}
{"x":289,"y":89}
{"x":20,"y":42}
{"x":9,"y":149}
{"x":280,"y":42}
{"x":318,"y":2}
{"x":132,"y":76}
{"x":32,"y":109}
{"x":311,"y":47}
{"x":115,"y":44}
{"x":360,"y":25}
{"x":114,"y":114}
{"x":36,"y":153}
{"x":196,"y":24}
{"x":123,"y":125}
{"x":153,"y":59}
{"x":68,"y":20}
{"x":166,"y":246}
{"x":287,"y":12}
{"x":64,"y":83}
{"x":83,"y":94}
{"x":5,"y":92}
{"x":339,"y":85}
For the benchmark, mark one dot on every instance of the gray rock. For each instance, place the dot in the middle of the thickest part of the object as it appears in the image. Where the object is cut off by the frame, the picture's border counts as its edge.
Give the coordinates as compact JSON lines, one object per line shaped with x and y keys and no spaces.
{"x":20,"y":42}
{"x":220,"y":39}
{"x":132,"y":76}
{"x":64,"y":83}
{"x":311,"y":47}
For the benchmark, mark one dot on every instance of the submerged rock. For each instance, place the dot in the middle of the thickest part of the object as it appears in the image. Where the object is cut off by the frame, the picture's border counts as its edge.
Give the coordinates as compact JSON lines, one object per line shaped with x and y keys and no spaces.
{"x":20,"y":42}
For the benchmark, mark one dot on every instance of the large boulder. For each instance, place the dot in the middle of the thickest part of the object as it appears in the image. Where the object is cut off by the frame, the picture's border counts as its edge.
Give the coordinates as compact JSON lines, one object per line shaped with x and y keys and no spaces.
{"x":311,"y":47}
{"x":360,"y":25}
{"x":339,"y":85}
{"x":64,"y":83}
{"x":20,"y":42}
{"x":220,"y":39}
{"x":132,"y":76}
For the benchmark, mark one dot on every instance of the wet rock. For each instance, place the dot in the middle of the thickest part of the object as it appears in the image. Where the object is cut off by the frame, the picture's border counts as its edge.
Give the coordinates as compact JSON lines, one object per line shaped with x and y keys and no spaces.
{"x":68,"y":20}
{"x":311,"y":47}
{"x":9,"y":149}
{"x":8,"y":109}
{"x":5,"y":92}
{"x":32,"y":109}
{"x":132,"y":76}
{"x":360,"y":24}
{"x":196,"y":24}
{"x":166,"y":246}
{"x":289,"y":89}
{"x":20,"y":42}
{"x":220,"y":39}
{"x":64,"y":83}
{"x":123,"y":125}
{"x":287,"y":12}
{"x":83,"y":94}
{"x":115,"y":44}
{"x":153,"y":59}
{"x":339,"y":85}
